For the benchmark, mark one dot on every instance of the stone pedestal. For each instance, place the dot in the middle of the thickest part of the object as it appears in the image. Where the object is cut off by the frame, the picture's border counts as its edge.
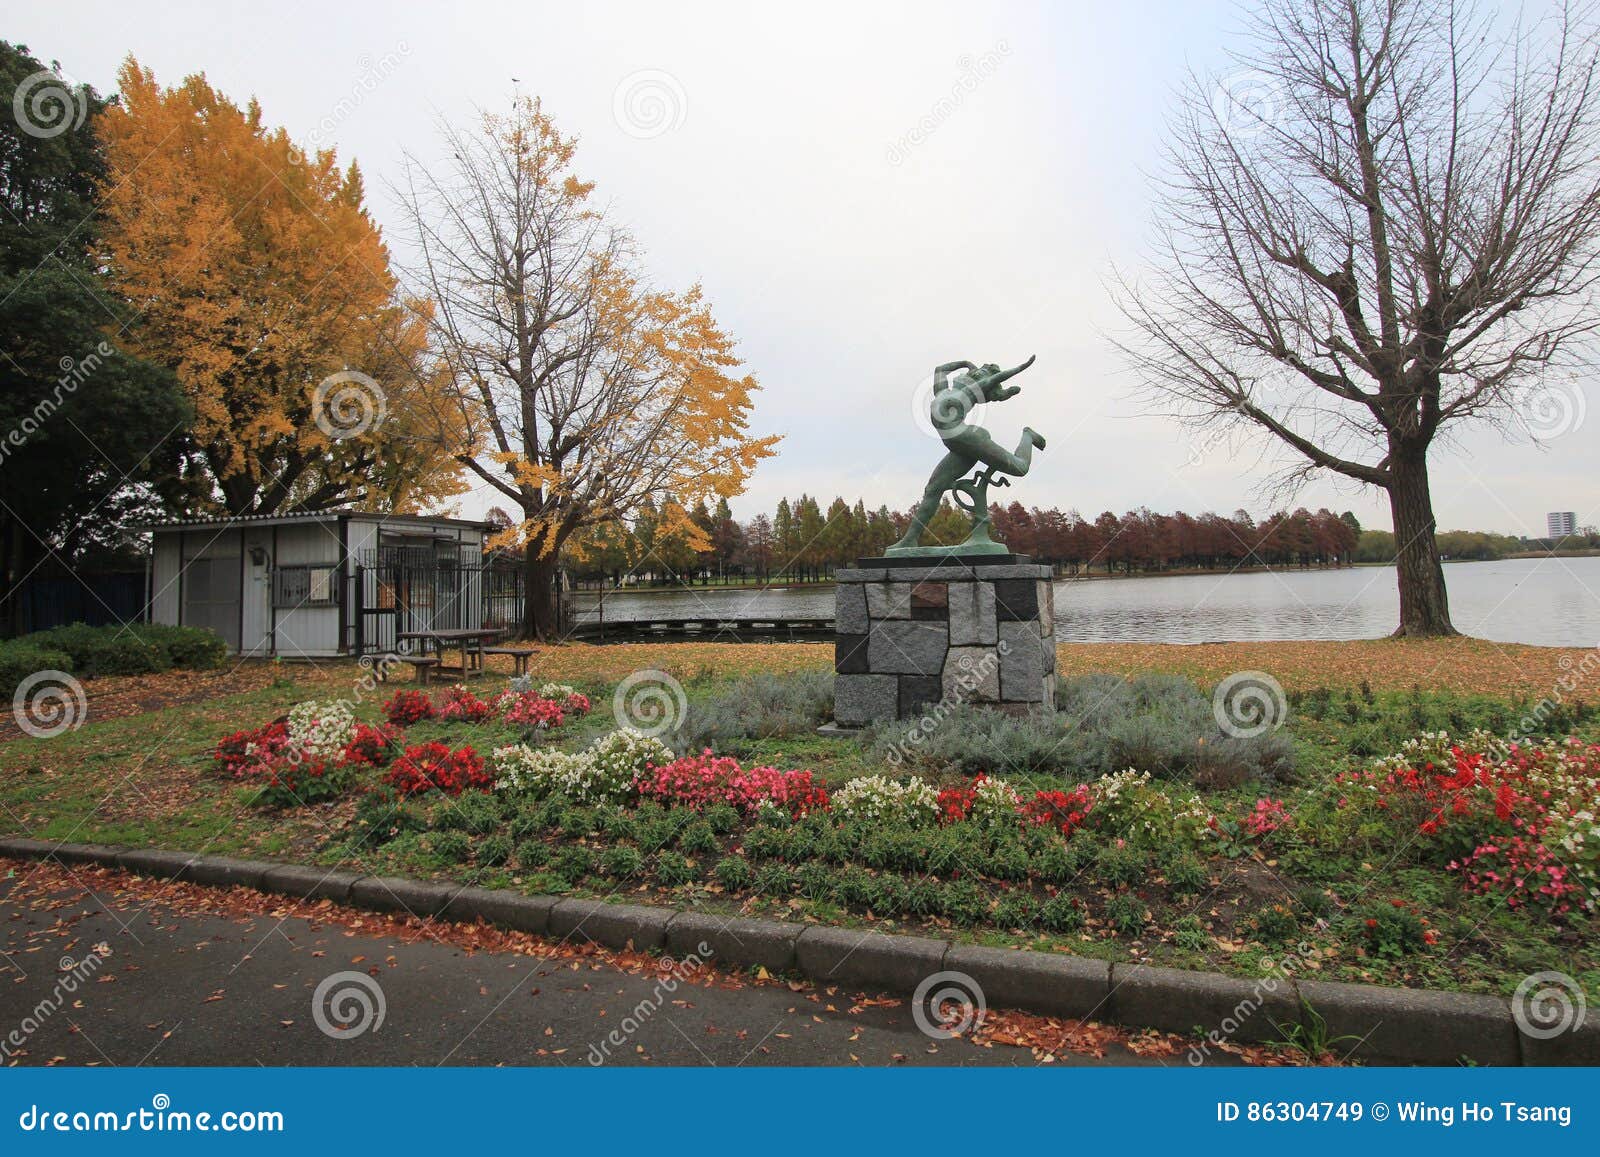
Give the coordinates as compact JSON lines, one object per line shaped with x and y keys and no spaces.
{"x":917,"y":632}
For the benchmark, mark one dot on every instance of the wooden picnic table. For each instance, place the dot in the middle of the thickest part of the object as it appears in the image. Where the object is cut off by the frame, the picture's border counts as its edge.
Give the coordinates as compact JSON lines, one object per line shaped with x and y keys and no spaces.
{"x":469,"y":639}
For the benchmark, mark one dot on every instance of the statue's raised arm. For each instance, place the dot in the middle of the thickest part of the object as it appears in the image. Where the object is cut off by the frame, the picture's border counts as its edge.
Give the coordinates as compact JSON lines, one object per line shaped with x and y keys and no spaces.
{"x":992,"y":383}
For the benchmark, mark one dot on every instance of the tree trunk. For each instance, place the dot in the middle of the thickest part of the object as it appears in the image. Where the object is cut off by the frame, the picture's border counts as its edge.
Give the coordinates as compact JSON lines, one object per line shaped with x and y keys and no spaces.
{"x":539,"y":596}
{"x":1424,"y":604}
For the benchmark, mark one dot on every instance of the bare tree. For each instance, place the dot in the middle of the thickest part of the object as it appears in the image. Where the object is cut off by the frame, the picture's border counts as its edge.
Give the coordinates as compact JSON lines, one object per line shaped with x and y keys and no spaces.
{"x":585,"y":394}
{"x":1383,"y":224}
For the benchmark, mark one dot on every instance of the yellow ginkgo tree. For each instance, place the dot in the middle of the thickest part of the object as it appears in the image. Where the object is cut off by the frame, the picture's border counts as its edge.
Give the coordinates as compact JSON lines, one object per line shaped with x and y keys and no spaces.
{"x":254,"y":272}
{"x":591,"y":394}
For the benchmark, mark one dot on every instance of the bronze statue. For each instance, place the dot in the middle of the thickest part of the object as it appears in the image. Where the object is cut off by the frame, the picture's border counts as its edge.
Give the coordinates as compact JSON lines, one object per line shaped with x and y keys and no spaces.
{"x":968,"y":445}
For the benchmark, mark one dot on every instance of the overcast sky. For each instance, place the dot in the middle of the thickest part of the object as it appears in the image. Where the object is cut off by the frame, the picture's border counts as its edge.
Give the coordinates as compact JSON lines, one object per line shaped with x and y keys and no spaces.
{"x":863,"y":189}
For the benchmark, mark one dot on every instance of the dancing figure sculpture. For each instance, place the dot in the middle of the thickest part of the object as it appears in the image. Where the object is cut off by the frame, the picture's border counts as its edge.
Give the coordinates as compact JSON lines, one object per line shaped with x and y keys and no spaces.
{"x":966,"y":447}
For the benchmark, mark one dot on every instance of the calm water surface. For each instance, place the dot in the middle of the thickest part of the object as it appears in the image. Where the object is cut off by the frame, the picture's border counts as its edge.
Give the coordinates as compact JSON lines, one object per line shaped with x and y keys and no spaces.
{"x":1551,"y":602}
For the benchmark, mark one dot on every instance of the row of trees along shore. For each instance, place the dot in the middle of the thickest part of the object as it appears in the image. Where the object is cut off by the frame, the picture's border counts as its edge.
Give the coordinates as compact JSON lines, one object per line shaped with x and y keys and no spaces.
{"x":803,"y":540}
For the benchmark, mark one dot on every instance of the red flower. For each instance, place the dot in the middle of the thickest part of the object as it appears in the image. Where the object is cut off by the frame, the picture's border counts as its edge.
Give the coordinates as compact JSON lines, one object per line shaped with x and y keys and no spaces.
{"x":434,"y":767}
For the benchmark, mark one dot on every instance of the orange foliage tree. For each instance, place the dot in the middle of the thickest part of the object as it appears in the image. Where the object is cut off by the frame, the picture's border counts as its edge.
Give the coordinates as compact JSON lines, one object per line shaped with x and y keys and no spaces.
{"x":594,"y":396}
{"x":257,"y":276}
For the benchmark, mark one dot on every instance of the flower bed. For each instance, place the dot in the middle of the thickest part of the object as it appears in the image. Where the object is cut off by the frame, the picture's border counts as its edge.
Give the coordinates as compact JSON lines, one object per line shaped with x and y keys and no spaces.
{"x":1517,"y":821}
{"x":1459,"y":863}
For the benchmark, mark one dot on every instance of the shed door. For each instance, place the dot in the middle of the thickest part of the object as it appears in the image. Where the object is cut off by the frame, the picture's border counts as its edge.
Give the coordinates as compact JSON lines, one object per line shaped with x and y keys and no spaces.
{"x":211,"y":596}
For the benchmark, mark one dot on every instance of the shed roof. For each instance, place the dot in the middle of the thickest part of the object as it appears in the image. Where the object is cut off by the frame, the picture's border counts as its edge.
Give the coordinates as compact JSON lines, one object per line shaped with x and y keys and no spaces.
{"x":318,"y":516}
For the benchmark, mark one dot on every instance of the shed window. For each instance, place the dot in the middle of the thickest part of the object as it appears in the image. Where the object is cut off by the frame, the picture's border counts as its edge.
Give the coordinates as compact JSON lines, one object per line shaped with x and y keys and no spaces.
{"x":305,"y":586}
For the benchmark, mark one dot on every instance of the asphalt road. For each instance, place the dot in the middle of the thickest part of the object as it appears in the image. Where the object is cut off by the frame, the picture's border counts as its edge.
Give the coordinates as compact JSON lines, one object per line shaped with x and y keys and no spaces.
{"x":237,"y":987}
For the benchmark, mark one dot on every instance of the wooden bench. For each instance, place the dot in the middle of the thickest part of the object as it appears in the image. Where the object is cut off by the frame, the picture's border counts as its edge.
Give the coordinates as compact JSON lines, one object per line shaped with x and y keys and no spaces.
{"x":519,"y":656}
{"x":423,"y":665}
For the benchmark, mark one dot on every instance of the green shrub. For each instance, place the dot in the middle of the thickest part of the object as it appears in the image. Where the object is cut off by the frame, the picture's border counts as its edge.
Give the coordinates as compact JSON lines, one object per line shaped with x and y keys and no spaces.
{"x":774,"y":879}
{"x":616,"y":822}
{"x":20,"y":659}
{"x":891,"y":896}
{"x":815,"y":880}
{"x":1119,"y":864}
{"x":733,"y":873}
{"x":854,"y":888}
{"x":1102,"y":723}
{"x":532,"y":854}
{"x":1016,"y":909}
{"x":1062,"y":913}
{"x":764,"y":843}
{"x":621,"y":861}
{"x":494,"y":851}
{"x":1275,"y":923}
{"x":923,"y":896}
{"x":189,"y":648}
{"x":552,"y":812}
{"x":1007,"y":862}
{"x":947,"y":851}
{"x":964,"y":902}
{"x":673,"y":869}
{"x":754,"y":708}
{"x":722,"y":818}
{"x":1316,"y":903}
{"x":381,"y":816}
{"x":1125,"y":912}
{"x":451,"y":846}
{"x":572,"y":863}
{"x":1391,"y":931}
{"x":699,"y":839}
{"x":1056,"y":864}
{"x":1188,"y":932}
{"x":1185,"y":873}
{"x":138,"y":649}
{"x":578,"y":821}
{"x":526,"y":823}
{"x":477,"y":812}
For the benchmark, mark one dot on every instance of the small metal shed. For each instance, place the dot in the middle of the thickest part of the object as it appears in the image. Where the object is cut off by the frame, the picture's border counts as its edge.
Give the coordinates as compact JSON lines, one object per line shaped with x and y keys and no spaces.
{"x":308,"y":585}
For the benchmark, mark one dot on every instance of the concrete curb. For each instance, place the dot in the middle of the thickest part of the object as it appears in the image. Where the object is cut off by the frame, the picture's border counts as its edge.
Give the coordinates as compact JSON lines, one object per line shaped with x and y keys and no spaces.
{"x":1365,"y":1022}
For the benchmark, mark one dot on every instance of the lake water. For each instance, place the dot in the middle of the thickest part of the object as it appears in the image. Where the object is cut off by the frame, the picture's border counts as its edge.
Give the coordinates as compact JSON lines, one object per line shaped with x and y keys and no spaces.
{"x":1551,"y":602}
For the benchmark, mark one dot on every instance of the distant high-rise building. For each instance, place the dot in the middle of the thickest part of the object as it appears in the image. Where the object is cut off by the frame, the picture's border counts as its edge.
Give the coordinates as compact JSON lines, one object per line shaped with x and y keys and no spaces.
{"x":1561,"y":523}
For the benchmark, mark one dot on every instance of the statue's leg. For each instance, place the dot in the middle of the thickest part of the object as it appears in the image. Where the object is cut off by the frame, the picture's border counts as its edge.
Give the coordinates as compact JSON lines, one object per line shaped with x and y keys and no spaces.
{"x":984,"y":449}
{"x":950,"y":470}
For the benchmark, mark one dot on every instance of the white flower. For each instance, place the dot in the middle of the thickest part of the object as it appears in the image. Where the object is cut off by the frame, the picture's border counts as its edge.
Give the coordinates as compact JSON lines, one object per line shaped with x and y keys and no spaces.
{"x":877,"y":798}
{"x":321,"y":730}
{"x":602,"y":774}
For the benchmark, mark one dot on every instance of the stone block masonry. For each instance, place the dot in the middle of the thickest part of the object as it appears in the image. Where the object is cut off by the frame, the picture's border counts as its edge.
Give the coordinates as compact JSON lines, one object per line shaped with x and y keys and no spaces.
{"x":916,"y":632}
